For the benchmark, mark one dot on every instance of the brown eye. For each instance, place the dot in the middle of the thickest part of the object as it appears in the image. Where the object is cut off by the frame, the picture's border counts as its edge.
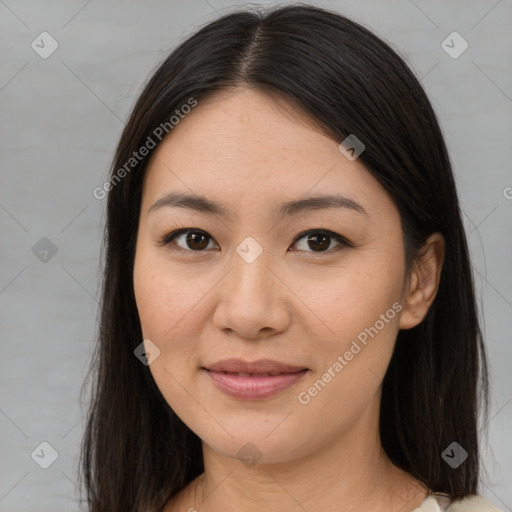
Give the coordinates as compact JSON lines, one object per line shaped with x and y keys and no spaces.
{"x":188,"y":239}
{"x":320,"y":241}
{"x":315,"y":241}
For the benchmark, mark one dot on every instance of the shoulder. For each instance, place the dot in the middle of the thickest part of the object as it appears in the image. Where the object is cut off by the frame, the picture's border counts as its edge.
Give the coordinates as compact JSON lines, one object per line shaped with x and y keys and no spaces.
{"x":441,"y":503}
{"x":475,"y":503}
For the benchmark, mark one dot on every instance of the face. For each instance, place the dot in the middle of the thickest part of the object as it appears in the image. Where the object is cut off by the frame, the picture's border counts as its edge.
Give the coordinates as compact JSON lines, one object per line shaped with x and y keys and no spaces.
{"x":316,"y":287}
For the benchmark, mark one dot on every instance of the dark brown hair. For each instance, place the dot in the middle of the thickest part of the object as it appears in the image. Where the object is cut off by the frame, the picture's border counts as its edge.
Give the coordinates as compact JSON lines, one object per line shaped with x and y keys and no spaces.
{"x":136,"y":452}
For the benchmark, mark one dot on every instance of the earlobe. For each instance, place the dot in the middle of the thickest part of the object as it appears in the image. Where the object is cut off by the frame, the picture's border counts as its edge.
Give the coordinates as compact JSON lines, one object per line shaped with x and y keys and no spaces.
{"x":424,"y":282}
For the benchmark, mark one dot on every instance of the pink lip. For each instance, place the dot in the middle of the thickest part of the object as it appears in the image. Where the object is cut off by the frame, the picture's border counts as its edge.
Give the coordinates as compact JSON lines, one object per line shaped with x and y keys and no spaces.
{"x":255,"y":386}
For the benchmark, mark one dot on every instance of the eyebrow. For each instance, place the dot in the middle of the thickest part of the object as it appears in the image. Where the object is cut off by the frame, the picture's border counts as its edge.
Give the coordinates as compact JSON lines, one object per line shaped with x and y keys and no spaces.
{"x":204,"y":205}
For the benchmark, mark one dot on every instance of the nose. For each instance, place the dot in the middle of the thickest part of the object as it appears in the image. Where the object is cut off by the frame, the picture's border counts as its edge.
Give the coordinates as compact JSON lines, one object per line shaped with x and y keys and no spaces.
{"x":253,"y":300}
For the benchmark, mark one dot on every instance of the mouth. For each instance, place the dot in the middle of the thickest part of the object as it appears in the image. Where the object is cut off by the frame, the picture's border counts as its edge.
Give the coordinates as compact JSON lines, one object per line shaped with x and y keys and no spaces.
{"x":268,"y":374}
{"x":253,"y":380}
{"x":259,"y":367}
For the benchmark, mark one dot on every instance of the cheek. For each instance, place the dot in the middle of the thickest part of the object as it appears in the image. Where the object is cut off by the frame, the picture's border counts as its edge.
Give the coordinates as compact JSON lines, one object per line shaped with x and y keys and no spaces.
{"x":165,"y":303}
{"x":362,"y":312}
{"x":165,"y":296}
{"x":355,"y":298}
{"x":171,"y":305}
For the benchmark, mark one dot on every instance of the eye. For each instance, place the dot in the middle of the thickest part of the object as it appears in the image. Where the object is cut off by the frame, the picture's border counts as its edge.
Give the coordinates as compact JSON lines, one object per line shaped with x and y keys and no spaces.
{"x":195,"y":240}
{"x":320,"y":241}
{"x":191,"y":239}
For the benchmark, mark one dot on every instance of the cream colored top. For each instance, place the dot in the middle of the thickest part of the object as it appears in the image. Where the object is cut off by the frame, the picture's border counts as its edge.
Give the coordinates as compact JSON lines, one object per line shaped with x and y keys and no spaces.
{"x":441,"y":503}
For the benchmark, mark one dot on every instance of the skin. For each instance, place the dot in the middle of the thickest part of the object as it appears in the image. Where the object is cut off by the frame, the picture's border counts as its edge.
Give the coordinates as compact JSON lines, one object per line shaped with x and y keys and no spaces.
{"x":251,"y":151}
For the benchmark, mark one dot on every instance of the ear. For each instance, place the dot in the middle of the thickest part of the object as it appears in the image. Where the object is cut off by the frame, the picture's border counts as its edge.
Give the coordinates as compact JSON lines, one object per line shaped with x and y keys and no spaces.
{"x":423,"y":282}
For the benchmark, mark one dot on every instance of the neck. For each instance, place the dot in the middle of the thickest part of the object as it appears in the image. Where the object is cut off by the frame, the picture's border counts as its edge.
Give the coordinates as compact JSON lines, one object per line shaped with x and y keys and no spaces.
{"x":351,"y":473}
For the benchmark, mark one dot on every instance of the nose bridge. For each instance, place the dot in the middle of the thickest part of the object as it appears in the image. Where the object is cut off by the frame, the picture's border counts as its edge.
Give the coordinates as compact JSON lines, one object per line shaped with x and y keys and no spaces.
{"x":251,"y":264}
{"x":252,"y":292}
{"x":251,"y":302}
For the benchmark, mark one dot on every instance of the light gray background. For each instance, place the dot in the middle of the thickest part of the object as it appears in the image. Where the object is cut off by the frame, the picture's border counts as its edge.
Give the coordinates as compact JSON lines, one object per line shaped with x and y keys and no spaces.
{"x":61,"y":118}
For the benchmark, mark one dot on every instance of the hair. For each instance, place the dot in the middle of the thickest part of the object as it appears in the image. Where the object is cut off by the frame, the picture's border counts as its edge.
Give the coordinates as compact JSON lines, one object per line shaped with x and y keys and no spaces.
{"x":136,"y":452}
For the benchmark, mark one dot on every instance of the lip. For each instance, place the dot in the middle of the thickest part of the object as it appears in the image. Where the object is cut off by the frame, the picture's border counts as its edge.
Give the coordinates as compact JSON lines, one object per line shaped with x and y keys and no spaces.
{"x":259,"y":366}
{"x":254,"y":383}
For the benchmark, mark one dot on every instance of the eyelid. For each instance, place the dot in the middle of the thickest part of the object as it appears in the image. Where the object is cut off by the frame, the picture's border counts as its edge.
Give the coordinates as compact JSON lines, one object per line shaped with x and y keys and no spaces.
{"x":339,"y":238}
{"x":173,"y":234}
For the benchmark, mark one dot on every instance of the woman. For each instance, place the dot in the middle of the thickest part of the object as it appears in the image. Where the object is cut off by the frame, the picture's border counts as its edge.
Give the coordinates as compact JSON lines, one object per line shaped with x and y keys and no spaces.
{"x":288,"y":317}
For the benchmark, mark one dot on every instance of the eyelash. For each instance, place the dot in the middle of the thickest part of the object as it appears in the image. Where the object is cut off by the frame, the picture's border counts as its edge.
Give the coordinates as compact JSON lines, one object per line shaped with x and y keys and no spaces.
{"x":340,"y":239}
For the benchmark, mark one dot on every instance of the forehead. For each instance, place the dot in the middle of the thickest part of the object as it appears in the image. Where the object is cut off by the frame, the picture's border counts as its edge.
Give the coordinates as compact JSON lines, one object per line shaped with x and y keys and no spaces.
{"x":247,"y":146}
